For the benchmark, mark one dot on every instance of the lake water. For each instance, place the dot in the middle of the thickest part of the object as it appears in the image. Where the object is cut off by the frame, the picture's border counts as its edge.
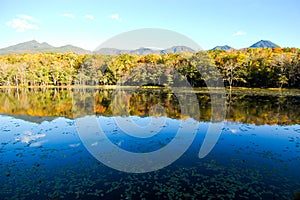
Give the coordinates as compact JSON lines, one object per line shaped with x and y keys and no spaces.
{"x":43,"y":155}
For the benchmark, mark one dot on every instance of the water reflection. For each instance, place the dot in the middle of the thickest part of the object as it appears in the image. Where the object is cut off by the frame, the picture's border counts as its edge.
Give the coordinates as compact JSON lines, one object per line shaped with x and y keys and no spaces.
{"x":43,"y":157}
{"x":250,"y":106}
{"x":48,"y":160}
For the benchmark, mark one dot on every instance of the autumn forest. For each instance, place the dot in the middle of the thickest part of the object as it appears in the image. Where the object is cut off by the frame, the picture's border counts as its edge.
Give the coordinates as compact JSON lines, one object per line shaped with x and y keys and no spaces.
{"x":252,"y":67}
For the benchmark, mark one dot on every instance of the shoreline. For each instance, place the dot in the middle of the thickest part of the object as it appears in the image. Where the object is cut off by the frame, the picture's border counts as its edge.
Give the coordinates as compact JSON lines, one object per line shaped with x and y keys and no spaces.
{"x":146,"y":87}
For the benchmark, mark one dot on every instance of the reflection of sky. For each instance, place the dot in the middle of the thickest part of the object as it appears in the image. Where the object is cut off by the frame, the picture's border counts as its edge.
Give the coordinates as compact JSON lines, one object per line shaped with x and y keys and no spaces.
{"x":275,"y":147}
{"x":56,"y":148}
{"x":129,"y":138}
{"x":16,"y":131}
{"x":61,"y":134}
{"x":28,"y":142}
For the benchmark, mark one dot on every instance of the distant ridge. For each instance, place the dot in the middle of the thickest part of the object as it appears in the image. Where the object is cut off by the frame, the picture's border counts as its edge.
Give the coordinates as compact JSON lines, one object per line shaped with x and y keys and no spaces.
{"x":225,"y":47}
{"x":144,"y":50}
{"x":264,"y":44}
{"x":177,"y":49}
{"x":35,"y":47}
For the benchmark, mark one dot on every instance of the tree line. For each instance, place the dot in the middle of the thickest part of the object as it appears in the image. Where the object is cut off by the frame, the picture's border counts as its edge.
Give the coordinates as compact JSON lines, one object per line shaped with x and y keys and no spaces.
{"x":259,"y":67}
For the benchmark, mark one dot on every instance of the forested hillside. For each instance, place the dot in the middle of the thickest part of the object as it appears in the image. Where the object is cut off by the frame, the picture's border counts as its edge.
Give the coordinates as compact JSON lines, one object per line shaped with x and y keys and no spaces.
{"x":252,"y":67}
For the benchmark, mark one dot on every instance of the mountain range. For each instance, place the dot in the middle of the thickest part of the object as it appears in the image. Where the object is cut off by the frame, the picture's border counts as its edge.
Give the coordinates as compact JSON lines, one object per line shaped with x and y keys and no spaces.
{"x":36,"y":47}
{"x":144,"y":51}
{"x":259,"y":44}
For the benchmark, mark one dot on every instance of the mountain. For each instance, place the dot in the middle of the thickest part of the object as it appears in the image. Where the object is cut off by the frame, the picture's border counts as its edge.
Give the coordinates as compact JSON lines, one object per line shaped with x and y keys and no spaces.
{"x":264,"y":44}
{"x":71,"y":48}
{"x":259,"y":44}
{"x":36,"y":47}
{"x":144,"y":50}
{"x":109,"y":51}
{"x":26,"y":47}
{"x":177,"y":49}
{"x":225,"y":48}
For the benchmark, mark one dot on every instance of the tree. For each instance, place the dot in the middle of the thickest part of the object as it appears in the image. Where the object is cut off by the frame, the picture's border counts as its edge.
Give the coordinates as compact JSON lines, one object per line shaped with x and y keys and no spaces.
{"x":232,"y":67}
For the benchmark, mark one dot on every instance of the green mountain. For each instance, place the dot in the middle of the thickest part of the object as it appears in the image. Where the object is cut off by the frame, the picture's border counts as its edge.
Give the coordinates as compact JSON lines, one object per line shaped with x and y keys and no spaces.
{"x":36,"y":47}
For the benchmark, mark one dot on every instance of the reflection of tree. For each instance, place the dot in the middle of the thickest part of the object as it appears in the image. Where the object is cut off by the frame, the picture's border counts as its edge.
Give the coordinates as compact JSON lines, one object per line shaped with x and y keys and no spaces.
{"x":255,"y":107}
{"x":143,"y":100}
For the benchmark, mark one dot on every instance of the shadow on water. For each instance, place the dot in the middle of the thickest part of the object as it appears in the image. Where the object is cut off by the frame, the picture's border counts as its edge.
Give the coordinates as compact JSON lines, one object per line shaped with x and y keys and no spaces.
{"x":43,"y":157}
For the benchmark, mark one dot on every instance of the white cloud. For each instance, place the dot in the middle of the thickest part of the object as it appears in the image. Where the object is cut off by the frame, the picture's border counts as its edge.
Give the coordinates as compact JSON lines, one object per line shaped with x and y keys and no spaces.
{"x":69,"y":15}
{"x":91,"y":17}
{"x":116,"y":16}
{"x":28,"y":18}
{"x":239,"y":33}
{"x":23,"y":23}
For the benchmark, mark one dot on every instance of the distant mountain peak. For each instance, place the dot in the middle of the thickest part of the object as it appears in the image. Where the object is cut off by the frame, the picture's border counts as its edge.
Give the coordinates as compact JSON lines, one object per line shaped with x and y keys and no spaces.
{"x":34,"y":46}
{"x":225,"y":47}
{"x":30,"y":41}
{"x":179,"y":48}
{"x":264,"y":44}
{"x":145,"y":50}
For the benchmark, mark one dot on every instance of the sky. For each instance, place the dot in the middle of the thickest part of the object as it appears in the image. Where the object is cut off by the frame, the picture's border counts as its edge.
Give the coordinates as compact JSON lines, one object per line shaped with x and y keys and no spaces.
{"x":88,"y":23}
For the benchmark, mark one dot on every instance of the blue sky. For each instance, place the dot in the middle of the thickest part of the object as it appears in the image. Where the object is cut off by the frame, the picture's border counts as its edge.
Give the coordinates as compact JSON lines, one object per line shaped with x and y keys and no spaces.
{"x":237,"y":23}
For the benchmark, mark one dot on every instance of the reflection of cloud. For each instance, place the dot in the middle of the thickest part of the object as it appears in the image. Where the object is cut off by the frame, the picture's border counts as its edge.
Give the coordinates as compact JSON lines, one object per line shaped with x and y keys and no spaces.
{"x":116,"y":16}
{"x":91,"y":17}
{"x":37,"y":144}
{"x":94,"y":144}
{"x":30,"y":137}
{"x":23,"y":23}
{"x":74,"y":145}
{"x":120,"y":143}
{"x":69,"y":15}
{"x":234,"y":131}
{"x":239,"y":33}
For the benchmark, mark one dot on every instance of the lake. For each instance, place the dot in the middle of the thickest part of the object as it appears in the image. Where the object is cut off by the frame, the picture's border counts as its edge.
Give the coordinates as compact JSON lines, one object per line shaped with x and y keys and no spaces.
{"x":49,"y":149}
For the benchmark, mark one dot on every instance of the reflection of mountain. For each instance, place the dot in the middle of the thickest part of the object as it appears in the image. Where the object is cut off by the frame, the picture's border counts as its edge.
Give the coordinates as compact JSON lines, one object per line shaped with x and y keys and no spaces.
{"x":34,"y":119}
{"x":254,"y":107}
